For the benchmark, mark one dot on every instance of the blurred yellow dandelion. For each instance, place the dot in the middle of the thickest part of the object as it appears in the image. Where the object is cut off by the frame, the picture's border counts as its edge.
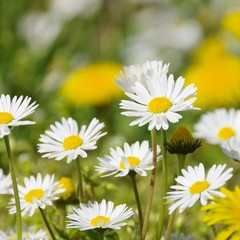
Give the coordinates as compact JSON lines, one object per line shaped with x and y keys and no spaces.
{"x":231,"y":23}
{"x":216,"y":73}
{"x":67,"y":184}
{"x":92,"y":85}
{"x":225,"y":210}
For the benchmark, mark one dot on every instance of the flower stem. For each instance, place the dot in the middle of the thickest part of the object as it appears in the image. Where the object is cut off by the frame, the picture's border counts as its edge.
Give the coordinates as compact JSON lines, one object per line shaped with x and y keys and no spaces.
{"x":15,"y":188}
{"x":164,"y":185}
{"x":101,"y":234}
{"x":47,"y":224}
{"x":151,"y":186}
{"x":80,"y":181}
{"x":132,"y":176}
{"x":181,"y":163}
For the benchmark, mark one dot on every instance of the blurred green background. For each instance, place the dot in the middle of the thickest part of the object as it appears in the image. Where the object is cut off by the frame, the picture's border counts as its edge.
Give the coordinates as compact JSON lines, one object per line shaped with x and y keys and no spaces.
{"x":47,"y":43}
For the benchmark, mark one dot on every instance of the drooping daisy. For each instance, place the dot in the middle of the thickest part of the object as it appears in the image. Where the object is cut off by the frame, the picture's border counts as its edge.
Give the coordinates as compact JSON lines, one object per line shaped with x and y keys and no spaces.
{"x":218,"y":126}
{"x":194,"y":185}
{"x":231,"y":148}
{"x":12,"y":111}
{"x":136,"y":157}
{"x":26,"y":235}
{"x":37,"y":193}
{"x":139,"y":73}
{"x":225,"y":210}
{"x":65,"y":140}
{"x":5,"y":183}
{"x":99,"y":215}
{"x":157,"y":101}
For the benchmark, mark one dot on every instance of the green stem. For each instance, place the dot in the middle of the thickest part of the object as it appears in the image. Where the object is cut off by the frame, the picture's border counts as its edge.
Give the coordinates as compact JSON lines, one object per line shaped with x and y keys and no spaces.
{"x":47,"y":224}
{"x":15,"y":188}
{"x":181,"y":163}
{"x":101,"y":234}
{"x":80,"y":181}
{"x":132,"y":176}
{"x":151,"y":186}
{"x":164,"y":185}
{"x":170,"y":225}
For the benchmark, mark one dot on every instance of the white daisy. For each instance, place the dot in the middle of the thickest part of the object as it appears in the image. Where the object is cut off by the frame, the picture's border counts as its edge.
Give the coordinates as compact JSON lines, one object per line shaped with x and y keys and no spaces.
{"x":65,"y":140}
{"x":37,"y":192}
{"x":26,"y":235}
{"x":218,"y":126}
{"x":139,"y":73}
{"x":231,"y":148}
{"x":137,"y":157}
{"x":194,"y":185}
{"x":95,"y":215}
{"x":157,"y":100}
{"x":12,"y":111}
{"x":5,"y":183}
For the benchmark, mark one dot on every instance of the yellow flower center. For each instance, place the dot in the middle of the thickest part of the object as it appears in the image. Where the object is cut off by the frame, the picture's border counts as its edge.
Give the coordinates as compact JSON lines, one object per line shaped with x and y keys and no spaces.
{"x":67,"y":184}
{"x":159,"y":105}
{"x":5,"y":117}
{"x":72,"y":142}
{"x":133,"y":161}
{"x":226,"y":133}
{"x":100,"y":221}
{"x":199,"y":187}
{"x":34,"y":193}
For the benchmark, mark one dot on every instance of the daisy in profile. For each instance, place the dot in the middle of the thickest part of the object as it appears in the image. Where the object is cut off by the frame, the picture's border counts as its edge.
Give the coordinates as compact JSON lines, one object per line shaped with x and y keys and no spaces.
{"x":225,"y":211}
{"x":218,"y":126}
{"x":231,"y":148}
{"x":26,"y":235}
{"x":139,"y":73}
{"x":5,"y":183}
{"x":12,"y":111}
{"x":99,"y":216}
{"x":37,"y":193}
{"x":65,"y":140}
{"x":136,"y":157}
{"x":195,"y":185}
{"x":157,"y":100}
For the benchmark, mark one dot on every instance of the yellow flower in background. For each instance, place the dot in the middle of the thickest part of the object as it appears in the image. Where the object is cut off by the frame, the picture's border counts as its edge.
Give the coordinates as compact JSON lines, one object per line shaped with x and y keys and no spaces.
{"x":92,"y":85}
{"x":67,"y":184}
{"x":216,"y":73}
{"x":225,"y":210}
{"x":231,"y":23}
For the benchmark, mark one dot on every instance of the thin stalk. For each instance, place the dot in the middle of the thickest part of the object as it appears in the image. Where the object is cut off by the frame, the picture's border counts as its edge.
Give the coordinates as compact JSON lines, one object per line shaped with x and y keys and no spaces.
{"x":181,"y":163}
{"x":164,"y":185}
{"x":80,"y":180}
{"x":151,"y":186}
{"x":47,"y":224}
{"x":132,"y":176}
{"x":15,"y":188}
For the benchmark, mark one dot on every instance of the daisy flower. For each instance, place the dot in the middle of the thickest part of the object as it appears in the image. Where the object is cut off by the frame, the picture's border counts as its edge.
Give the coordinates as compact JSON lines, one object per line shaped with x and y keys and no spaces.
{"x":12,"y":111}
{"x":5,"y":183}
{"x":65,"y":140}
{"x":37,"y":193}
{"x":99,"y":215}
{"x":136,"y":157}
{"x":231,"y":148}
{"x":218,"y":126}
{"x":139,"y":73}
{"x":26,"y":235}
{"x":158,"y":100}
{"x":225,"y":210}
{"x":194,"y":185}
